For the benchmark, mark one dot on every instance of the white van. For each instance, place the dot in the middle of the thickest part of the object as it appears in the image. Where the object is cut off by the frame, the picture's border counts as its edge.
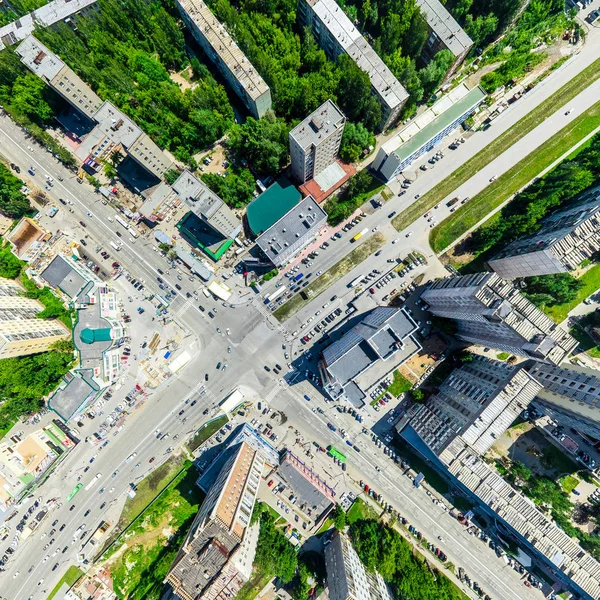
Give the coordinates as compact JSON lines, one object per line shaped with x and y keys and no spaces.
{"x":115,"y":246}
{"x":206,"y":292}
{"x":110,"y":219}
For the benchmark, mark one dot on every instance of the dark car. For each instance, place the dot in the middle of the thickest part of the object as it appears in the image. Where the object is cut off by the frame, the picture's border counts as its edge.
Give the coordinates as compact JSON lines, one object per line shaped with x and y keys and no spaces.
{"x":102,"y":505}
{"x":118,"y":234}
{"x":211,"y":315}
{"x":218,"y":365}
{"x":193,"y":403}
{"x":201,"y":307}
{"x":205,"y":411}
{"x":277,"y":366}
{"x":87,"y":512}
{"x":178,"y":286}
{"x":206,"y":377}
{"x":62,"y":201}
{"x":181,"y":412}
{"x":62,"y":527}
{"x":267,"y":369}
{"x":82,"y":223}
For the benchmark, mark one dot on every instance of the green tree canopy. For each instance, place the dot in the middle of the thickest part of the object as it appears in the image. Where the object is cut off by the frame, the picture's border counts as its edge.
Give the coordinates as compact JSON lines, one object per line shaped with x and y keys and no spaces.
{"x":559,"y":288}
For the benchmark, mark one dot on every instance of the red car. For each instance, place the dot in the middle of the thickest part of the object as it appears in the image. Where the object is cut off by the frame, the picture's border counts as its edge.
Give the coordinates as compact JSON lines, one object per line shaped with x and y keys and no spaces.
{"x":372,"y":290}
{"x":152,"y":459}
{"x":270,"y":483}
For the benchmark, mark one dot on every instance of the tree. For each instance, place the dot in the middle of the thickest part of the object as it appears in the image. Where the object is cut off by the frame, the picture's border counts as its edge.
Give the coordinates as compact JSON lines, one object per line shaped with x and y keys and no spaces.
{"x":301,"y":588}
{"x":171,"y":176}
{"x":520,"y":471}
{"x":339,"y":517}
{"x":28,"y":98}
{"x":109,"y":170}
{"x":558,"y":288}
{"x":164,"y":247}
{"x":432,"y":75}
{"x":418,"y":395}
{"x":10,"y":265}
{"x":236,"y":188}
{"x":13,"y":203}
{"x":355,"y":139}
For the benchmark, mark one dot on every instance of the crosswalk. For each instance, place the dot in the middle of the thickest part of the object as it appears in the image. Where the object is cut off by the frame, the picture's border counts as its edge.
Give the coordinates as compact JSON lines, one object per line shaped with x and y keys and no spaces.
{"x":270,"y":318}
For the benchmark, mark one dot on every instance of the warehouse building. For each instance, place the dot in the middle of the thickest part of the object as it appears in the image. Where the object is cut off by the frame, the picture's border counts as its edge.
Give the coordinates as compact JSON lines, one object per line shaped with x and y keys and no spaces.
{"x":563,"y":241}
{"x":336,"y":34}
{"x":225,"y":54}
{"x":426,"y":131}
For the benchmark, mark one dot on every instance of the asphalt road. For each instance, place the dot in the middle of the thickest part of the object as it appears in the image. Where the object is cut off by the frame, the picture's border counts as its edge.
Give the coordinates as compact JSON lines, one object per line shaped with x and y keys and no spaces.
{"x":255,"y":342}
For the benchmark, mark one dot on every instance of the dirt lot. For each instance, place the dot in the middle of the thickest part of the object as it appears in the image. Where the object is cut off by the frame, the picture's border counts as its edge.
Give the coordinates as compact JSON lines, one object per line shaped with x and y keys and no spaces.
{"x":416,"y":365}
{"x":218,"y":156}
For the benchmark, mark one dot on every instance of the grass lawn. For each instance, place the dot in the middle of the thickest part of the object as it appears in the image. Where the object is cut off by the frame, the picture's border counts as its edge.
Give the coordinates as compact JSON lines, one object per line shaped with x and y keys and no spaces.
{"x":257,"y":582}
{"x":591,"y":284}
{"x":553,"y":458}
{"x":206,"y":431}
{"x":399,"y":385}
{"x":502,"y":143}
{"x":7,"y":428}
{"x":70,"y":577}
{"x":361,"y":510}
{"x":588,"y":344}
{"x":327,"y":525}
{"x":569,"y":483}
{"x":502,"y":355}
{"x":510,"y":182}
{"x":320,"y":284}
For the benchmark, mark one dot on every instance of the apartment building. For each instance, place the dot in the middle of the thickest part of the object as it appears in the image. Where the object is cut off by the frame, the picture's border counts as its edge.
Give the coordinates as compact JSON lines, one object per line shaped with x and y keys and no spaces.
{"x":426,"y":131}
{"x":207,"y":205}
{"x":477,"y":403}
{"x":347,"y":578}
{"x":336,"y":35}
{"x":294,"y":231}
{"x":314,"y":143}
{"x":570,"y":395}
{"x":370,"y":351}
{"x":216,"y":558}
{"x":114,"y":131}
{"x":564,"y":239}
{"x":233,"y":65}
{"x":490,"y":311}
{"x":21,"y":332}
{"x":444,"y":34}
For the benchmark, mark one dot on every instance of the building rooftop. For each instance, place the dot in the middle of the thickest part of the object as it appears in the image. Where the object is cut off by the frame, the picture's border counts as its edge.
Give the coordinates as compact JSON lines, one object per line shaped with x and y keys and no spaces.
{"x":319,"y":124}
{"x":271,"y":205}
{"x":355,"y":45}
{"x":301,"y":220}
{"x":445,"y":26}
{"x":59,"y":274}
{"x":225,"y":47}
{"x":434,"y":120}
{"x":39,"y":59}
{"x":117,"y":125}
{"x":197,"y":195}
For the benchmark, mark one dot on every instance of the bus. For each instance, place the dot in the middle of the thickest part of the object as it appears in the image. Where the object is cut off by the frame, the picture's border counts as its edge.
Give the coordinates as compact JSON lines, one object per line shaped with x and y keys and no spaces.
{"x":336,"y":453}
{"x":275,"y":295}
{"x":122,"y":222}
{"x":133,"y":232}
{"x":356,"y":281}
{"x":360,"y":234}
{"x":74,"y":491}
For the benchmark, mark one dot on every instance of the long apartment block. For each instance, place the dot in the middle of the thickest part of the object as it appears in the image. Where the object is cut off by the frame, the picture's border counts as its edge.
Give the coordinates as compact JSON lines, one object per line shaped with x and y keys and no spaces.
{"x":563,"y":241}
{"x":336,"y":34}
{"x":490,"y":311}
{"x":114,"y":130}
{"x":218,"y":45}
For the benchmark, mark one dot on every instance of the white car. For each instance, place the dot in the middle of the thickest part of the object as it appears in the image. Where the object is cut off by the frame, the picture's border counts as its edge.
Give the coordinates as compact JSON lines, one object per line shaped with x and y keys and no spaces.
{"x":409,"y":234}
{"x":45,"y":558}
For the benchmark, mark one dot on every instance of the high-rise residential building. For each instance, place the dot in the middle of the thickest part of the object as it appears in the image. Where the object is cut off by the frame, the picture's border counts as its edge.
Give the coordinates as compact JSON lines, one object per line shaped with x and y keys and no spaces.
{"x":114,"y":131}
{"x":314,"y":143}
{"x":475,"y":403}
{"x":347,"y":578}
{"x":207,"y":205}
{"x":444,"y":34}
{"x":564,"y":239}
{"x":21,"y":332}
{"x":570,"y":395}
{"x":218,"y":45}
{"x":216,"y":558}
{"x":490,"y":311}
{"x":336,"y":35}
{"x":427,"y":130}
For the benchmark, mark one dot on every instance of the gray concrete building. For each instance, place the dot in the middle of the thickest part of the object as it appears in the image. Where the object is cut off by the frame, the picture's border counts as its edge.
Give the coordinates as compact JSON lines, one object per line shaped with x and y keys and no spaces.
{"x":218,"y":45}
{"x":314,"y":143}
{"x":207,"y":205}
{"x":477,"y":403}
{"x":347,"y":578}
{"x":444,"y":34}
{"x":293,"y":232}
{"x":570,"y":395}
{"x":370,"y":351}
{"x":336,"y":34}
{"x":45,"y":16}
{"x":490,"y":311}
{"x":564,"y":239}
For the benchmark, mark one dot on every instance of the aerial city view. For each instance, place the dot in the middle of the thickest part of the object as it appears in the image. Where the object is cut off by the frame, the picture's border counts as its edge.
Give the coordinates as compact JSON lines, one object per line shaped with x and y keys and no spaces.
{"x":299,"y":299}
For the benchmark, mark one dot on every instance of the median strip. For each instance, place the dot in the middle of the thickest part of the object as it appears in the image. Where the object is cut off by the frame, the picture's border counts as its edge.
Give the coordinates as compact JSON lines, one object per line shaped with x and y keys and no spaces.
{"x":513,"y":180}
{"x":321,"y":283}
{"x":498,"y":146}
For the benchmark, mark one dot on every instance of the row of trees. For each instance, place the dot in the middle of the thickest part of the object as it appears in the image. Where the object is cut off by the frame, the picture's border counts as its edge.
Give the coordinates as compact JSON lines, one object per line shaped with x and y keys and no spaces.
{"x":523,"y":214}
{"x":549,"y":290}
{"x":13,"y":203}
{"x":381,"y":547}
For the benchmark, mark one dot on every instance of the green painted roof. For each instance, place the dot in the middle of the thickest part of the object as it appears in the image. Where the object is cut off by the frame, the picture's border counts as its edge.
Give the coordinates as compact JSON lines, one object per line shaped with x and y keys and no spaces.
{"x":271,"y":205}
{"x":89,"y":336}
{"x":438,"y":124}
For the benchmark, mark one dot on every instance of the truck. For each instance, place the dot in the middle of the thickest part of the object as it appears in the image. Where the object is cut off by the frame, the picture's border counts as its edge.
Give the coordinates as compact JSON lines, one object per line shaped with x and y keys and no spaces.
{"x":275,"y":295}
{"x":356,"y":281}
{"x":219,"y":291}
{"x":122,"y":222}
{"x":360,"y":234}
{"x":115,"y":246}
{"x":52,"y":211}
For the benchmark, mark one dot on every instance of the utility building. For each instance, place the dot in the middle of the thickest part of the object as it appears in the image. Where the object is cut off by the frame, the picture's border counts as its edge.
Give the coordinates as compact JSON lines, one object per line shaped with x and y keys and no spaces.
{"x":563,"y":241}
{"x":218,"y":45}
{"x":336,"y":35}
{"x":490,"y":311}
{"x":314,"y":143}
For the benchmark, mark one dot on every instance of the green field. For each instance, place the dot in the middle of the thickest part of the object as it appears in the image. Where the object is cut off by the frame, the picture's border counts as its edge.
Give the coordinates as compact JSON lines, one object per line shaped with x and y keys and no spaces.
{"x":70,"y":578}
{"x":511,"y":182}
{"x":502,"y":143}
{"x":588,"y":344}
{"x":206,"y":431}
{"x":320,"y":284}
{"x":361,"y":510}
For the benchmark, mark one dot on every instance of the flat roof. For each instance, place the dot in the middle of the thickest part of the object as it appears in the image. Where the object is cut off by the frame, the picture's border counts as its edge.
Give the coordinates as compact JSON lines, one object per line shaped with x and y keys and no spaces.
{"x":67,"y":399}
{"x":318,"y":125}
{"x":445,"y":26}
{"x":271,"y":205}
{"x":117,"y":125}
{"x":38,"y":58}
{"x":59,"y":274}
{"x":417,"y":133}
{"x":222,"y":43}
